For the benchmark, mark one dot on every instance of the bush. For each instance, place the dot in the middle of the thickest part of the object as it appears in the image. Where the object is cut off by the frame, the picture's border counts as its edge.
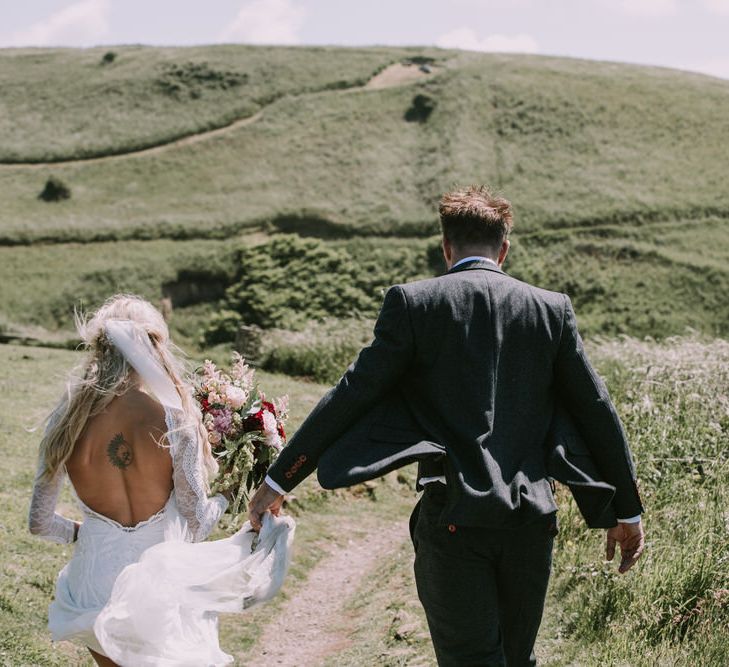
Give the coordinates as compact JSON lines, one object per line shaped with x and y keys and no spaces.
{"x":290,"y":281}
{"x":420,"y":109}
{"x":192,"y":79}
{"x":321,"y":352}
{"x":55,"y":190}
{"x":108,"y":58}
{"x":222,"y":327}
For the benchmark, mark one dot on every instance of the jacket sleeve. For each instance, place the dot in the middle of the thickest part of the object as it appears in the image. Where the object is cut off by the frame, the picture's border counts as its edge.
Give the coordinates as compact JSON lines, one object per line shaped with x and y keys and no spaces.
{"x":586,"y":398}
{"x":376,"y":369}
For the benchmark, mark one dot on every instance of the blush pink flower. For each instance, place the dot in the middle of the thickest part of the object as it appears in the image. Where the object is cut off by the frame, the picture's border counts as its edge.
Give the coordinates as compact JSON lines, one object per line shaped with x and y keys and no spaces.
{"x":235,"y":397}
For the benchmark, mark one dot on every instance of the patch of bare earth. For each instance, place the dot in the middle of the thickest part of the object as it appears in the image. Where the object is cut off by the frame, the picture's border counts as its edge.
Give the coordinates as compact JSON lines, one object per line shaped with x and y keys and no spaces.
{"x":315,"y":623}
{"x":397,"y":75}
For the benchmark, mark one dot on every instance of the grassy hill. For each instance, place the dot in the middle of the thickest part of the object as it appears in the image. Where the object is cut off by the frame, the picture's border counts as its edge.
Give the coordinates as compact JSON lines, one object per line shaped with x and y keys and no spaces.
{"x":617,"y":172}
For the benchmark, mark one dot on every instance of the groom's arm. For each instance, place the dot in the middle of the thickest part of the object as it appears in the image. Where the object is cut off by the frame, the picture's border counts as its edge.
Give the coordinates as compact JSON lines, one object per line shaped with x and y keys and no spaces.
{"x":588,"y":402}
{"x":376,"y":369}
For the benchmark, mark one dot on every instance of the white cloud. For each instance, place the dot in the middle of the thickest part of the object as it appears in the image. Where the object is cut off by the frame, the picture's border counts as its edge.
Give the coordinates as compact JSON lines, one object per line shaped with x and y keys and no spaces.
{"x":467,"y":39}
{"x":715,"y":67}
{"x":83,"y":23}
{"x":266,"y":22}
{"x":651,"y":8}
{"x":717,"y":6}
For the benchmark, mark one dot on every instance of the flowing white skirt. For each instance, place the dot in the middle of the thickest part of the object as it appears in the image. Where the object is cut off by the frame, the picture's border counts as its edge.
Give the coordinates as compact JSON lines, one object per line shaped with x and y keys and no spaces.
{"x":146,"y":596}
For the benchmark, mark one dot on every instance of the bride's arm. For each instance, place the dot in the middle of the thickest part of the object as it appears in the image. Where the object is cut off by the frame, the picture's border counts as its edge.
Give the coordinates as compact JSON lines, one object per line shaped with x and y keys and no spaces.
{"x":200,"y":512}
{"x":42,"y":518}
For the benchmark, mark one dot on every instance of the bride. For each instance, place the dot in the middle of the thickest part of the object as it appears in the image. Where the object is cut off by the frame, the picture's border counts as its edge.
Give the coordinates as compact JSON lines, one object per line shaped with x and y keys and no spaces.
{"x":140,"y":588}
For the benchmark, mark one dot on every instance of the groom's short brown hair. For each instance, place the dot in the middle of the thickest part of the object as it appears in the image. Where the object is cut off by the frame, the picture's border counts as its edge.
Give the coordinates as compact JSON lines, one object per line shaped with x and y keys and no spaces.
{"x":475,"y":216}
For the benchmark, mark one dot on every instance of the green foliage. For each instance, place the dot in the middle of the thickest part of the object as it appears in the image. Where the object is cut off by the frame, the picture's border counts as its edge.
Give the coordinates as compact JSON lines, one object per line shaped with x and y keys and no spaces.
{"x":289,"y":281}
{"x":222,"y":327}
{"x":420,"y":109}
{"x":672,"y":399}
{"x":55,"y":190}
{"x":192,"y":79}
{"x":321,"y":352}
{"x":648,"y":280}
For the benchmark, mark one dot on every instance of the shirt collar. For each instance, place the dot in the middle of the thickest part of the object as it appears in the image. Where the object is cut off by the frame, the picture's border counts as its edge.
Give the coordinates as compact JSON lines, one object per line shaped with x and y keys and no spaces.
{"x":474,"y":258}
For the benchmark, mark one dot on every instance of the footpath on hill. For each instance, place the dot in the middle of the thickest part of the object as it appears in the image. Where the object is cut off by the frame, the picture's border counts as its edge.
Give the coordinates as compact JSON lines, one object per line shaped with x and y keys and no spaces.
{"x":398,"y":74}
{"x":315,"y":624}
{"x":319,"y":624}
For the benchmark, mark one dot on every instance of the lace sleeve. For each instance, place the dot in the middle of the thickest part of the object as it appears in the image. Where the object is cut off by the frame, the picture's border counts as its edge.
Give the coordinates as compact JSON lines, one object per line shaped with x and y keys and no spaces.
{"x":42,"y":519}
{"x":200,"y":512}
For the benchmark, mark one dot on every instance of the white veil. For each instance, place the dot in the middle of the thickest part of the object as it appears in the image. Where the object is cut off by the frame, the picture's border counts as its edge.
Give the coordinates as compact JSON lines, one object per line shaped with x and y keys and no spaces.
{"x":133,"y":343}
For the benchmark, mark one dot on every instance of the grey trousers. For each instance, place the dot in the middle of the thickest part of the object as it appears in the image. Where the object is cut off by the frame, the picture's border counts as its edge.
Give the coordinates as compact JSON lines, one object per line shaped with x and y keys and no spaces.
{"x":482,"y":590}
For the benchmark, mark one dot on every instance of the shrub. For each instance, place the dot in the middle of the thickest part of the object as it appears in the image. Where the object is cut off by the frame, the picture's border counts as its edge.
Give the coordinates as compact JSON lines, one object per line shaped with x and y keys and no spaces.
{"x":222,"y":327}
{"x":290,"y":281}
{"x":55,"y":190}
{"x":321,"y":352}
{"x":420,"y":109}
{"x":108,"y":58}
{"x":192,"y":79}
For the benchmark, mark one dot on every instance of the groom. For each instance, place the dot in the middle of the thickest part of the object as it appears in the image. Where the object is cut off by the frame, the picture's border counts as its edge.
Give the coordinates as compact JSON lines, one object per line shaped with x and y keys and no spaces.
{"x":476,"y":360}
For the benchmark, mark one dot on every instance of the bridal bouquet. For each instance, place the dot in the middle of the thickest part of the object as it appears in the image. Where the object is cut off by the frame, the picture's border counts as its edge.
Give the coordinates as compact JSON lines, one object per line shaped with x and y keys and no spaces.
{"x":245,"y":431}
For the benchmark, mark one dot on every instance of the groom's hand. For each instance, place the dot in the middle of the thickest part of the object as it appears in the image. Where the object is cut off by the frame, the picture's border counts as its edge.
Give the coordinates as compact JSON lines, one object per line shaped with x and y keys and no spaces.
{"x":631,"y":539}
{"x":264,"y":499}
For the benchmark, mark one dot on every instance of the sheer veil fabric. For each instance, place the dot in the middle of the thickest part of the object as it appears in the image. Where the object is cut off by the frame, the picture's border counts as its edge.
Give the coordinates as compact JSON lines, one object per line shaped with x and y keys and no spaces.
{"x":150,"y":594}
{"x":163,"y":610}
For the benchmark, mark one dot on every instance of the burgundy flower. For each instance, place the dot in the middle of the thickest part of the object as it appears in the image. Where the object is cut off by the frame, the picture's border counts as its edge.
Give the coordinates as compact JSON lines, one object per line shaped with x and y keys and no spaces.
{"x":253,"y":422}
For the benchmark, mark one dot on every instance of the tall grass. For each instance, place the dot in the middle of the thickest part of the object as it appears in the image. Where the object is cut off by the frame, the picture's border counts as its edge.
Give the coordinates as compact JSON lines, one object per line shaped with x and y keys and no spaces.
{"x":673,"y":608}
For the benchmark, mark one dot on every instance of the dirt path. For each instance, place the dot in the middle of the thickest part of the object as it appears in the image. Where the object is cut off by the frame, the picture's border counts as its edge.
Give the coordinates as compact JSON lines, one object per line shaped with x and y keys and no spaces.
{"x":397,"y":75}
{"x":313,"y":624}
{"x":394,"y":75}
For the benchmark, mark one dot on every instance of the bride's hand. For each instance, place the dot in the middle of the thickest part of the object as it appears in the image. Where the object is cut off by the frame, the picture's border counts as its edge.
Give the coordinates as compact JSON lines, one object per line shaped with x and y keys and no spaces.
{"x":265,"y":499}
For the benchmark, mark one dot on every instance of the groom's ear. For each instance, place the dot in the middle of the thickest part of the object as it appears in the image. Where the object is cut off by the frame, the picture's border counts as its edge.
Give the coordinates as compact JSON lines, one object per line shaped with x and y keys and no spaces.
{"x":447,"y":251}
{"x":504,"y":251}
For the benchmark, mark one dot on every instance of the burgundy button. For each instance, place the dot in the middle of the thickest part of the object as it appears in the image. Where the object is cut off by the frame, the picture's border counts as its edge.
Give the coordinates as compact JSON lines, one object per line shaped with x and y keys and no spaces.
{"x":451,"y":528}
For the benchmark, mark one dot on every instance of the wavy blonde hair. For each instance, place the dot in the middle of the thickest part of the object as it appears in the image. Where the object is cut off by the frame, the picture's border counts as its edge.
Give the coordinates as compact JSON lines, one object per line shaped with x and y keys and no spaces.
{"x":106,"y":374}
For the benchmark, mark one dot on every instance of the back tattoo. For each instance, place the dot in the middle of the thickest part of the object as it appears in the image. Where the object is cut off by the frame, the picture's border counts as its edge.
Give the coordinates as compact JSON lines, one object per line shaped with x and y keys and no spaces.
{"x":119,"y":452}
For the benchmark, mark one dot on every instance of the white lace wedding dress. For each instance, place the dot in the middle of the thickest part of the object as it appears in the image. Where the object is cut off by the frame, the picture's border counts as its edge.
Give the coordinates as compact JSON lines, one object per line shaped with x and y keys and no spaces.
{"x":150,"y":594}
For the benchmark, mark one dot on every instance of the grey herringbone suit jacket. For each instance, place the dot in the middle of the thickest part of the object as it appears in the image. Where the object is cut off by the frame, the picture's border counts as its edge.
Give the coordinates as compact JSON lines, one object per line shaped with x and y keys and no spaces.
{"x":478,"y":359}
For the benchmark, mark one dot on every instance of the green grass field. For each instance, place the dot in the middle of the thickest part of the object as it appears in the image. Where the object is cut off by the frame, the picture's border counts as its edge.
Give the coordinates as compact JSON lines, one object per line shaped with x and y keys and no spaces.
{"x":673,"y":609}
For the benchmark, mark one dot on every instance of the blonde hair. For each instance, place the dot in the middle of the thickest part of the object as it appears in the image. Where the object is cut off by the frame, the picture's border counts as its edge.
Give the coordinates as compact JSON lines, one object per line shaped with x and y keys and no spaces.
{"x":106,"y":374}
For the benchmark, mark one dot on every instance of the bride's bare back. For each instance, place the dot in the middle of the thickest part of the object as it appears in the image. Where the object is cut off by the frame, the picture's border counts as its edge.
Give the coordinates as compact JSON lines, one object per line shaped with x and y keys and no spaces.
{"x":118,"y":467}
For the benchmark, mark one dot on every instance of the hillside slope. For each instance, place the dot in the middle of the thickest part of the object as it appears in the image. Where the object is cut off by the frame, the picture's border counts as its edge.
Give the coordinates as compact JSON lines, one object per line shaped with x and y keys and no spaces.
{"x":572,"y":142}
{"x":617,"y":172}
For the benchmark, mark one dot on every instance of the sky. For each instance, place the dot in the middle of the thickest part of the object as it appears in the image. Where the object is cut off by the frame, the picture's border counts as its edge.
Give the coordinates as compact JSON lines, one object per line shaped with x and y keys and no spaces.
{"x":684,"y":34}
